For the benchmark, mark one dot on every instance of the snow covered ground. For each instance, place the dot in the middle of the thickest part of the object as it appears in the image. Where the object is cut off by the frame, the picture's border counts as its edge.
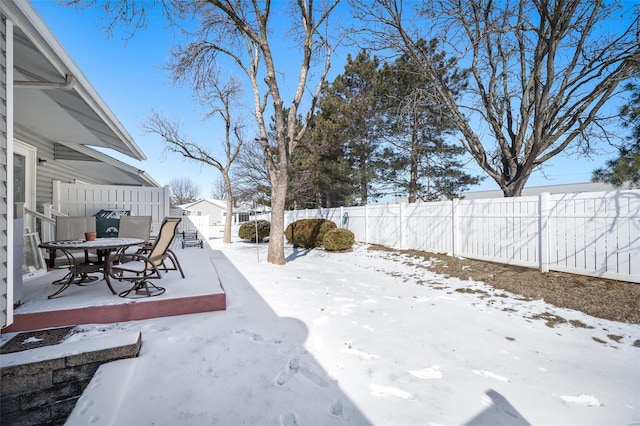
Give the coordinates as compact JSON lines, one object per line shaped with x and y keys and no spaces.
{"x":364,"y":338}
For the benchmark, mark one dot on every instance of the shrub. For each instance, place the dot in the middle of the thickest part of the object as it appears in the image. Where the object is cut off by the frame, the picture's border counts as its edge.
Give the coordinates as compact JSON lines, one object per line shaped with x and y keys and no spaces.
{"x":247,"y":230}
{"x":338,"y":240}
{"x":308,"y":233}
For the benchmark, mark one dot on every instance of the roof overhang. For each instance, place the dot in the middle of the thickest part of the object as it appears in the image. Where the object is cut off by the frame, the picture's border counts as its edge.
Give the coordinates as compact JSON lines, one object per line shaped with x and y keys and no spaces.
{"x":52,"y":98}
{"x":100,"y":166}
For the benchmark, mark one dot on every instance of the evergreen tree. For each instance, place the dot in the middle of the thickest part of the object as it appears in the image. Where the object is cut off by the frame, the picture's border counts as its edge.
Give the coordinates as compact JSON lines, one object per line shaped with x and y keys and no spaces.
{"x":353,"y":105}
{"x":322,"y":173}
{"x":626,"y":167}
{"x":420,"y":160}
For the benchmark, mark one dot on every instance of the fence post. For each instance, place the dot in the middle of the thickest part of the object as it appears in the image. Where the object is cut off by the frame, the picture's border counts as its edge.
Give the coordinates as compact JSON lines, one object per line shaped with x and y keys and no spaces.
{"x":543,"y":232}
{"x":455,"y":231}
{"x":402,"y":226}
{"x":56,"y":196}
{"x":366,"y":223}
{"x":167,"y":203}
{"x":48,"y":230}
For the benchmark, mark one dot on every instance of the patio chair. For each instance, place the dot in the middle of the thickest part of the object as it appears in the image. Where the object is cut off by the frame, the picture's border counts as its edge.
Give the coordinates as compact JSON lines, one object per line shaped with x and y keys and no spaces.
{"x":72,"y":228}
{"x":136,"y":227}
{"x":139,"y":268}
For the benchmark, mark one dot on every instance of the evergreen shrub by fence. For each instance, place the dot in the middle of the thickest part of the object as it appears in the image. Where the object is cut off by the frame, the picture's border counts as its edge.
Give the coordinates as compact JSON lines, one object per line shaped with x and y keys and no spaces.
{"x":247,"y":230}
{"x":308,"y":233}
{"x":338,"y":240}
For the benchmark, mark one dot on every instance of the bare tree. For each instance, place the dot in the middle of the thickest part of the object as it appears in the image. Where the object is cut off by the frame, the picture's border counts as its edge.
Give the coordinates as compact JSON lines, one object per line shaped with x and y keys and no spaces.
{"x":218,"y":190}
{"x":541,"y":72}
{"x":250,"y":174}
{"x":183,"y":191}
{"x":244,"y":32}
{"x":221,"y":99}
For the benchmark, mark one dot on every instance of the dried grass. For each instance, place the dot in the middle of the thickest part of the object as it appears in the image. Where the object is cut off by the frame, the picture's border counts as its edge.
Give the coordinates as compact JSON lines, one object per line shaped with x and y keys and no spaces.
{"x":602,"y":298}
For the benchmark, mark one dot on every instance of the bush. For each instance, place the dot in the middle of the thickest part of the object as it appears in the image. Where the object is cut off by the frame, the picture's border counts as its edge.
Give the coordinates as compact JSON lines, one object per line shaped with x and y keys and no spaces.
{"x":308,"y":233}
{"x":247,"y":230}
{"x":339,"y":240}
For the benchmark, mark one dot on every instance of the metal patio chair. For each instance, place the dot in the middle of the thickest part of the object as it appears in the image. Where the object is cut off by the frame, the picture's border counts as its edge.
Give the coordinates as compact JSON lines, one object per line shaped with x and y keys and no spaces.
{"x":140,"y":268}
{"x":136,"y":227}
{"x":72,"y":228}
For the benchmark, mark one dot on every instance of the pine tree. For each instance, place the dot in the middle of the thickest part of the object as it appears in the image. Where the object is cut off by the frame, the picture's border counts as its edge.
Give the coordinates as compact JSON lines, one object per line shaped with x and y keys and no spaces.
{"x":353,"y":105}
{"x":420,"y":160}
{"x":322,"y":173}
{"x":626,"y":167}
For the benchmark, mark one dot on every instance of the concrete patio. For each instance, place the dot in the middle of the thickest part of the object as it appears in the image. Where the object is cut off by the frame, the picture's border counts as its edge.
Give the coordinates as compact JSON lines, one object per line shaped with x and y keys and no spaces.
{"x":199,"y":291}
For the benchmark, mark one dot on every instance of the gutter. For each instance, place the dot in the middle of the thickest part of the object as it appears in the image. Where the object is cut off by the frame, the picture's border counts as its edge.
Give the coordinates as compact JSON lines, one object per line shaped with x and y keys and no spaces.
{"x":27,"y":18}
{"x":69,"y":83}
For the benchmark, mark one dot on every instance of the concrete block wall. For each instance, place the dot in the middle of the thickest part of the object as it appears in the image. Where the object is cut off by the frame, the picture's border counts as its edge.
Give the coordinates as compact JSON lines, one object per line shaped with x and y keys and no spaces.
{"x":46,"y":391}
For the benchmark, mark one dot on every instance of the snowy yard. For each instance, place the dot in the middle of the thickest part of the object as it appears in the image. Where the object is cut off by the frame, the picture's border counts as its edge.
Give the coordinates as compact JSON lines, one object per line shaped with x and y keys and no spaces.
{"x":352,"y":338}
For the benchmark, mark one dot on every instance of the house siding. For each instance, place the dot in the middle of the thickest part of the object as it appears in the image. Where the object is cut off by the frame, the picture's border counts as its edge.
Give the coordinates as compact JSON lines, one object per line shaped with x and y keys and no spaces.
{"x":215,"y":212}
{"x":53,"y":170}
{"x":4,"y":212}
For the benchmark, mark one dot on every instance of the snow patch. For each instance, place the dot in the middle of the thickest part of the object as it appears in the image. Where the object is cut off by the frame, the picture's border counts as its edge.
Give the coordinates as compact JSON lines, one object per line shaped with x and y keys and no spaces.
{"x":491,"y":375}
{"x":582,"y":399}
{"x":384,"y":391}
{"x":432,"y":372}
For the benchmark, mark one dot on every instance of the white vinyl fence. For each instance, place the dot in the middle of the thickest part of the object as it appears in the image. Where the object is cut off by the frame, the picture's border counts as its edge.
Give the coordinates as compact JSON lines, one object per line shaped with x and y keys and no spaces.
{"x":86,"y":200}
{"x":594,"y":233}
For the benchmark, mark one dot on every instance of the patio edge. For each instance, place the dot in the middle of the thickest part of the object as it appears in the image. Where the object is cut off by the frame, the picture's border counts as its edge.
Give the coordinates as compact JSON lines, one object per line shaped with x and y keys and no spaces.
{"x":118,"y":313}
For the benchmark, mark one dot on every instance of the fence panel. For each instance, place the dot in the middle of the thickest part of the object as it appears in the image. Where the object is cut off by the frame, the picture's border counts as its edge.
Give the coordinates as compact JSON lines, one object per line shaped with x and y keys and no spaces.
{"x":87,"y":200}
{"x":356,"y":222}
{"x":501,"y":230}
{"x":333,"y":215}
{"x":596,"y":232}
{"x":383,"y":225}
{"x":428,"y":227}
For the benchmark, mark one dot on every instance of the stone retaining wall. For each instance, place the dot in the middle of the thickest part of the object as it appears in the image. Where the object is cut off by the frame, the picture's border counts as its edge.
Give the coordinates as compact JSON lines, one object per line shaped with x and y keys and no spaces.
{"x":45,"y":392}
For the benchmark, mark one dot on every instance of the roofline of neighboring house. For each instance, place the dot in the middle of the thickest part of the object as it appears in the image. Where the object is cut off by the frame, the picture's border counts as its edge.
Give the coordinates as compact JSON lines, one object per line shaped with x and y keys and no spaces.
{"x":30,"y":22}
{"x":222,"y":204}
{"x":556,"y":188}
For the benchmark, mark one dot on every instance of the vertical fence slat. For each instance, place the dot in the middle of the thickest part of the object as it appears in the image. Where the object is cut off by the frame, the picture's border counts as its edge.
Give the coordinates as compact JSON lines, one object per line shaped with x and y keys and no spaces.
{"x":544,"y":231}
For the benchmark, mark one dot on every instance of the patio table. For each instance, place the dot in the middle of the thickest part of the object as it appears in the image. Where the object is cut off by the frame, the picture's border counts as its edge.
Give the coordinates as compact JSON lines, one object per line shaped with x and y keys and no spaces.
{"x":78,"y":271}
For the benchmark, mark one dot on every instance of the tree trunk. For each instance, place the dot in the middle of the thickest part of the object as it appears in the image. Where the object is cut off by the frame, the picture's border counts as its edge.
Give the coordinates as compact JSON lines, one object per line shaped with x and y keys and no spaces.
{"x":229,"y":219}
{"x":364,"y":181}
{"x":514,"y":187}
{"x":413,"y":172}
{"x":276,"y":240}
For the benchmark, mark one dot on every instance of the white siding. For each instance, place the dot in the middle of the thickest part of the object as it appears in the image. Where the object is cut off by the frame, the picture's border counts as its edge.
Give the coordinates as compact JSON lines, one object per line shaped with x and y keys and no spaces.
{"x":6,"y":264}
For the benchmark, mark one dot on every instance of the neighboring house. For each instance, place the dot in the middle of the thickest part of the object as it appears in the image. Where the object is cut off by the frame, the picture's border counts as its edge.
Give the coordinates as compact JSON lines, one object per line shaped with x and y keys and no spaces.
{"x":217,"y":211}
{"x":245,"y":211}
{"x":50,"y":117}
{"x":552,"y":189}
{"x":536,"y":190}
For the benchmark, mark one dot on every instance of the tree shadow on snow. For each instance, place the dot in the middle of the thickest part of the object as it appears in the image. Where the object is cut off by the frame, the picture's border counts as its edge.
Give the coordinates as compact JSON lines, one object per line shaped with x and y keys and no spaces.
{"x":297,"y":252}
{"x":283,"y":369}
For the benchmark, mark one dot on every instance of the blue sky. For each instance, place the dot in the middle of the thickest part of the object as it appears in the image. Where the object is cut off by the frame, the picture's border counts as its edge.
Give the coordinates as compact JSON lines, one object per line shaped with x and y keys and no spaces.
{"x":130,"y":76}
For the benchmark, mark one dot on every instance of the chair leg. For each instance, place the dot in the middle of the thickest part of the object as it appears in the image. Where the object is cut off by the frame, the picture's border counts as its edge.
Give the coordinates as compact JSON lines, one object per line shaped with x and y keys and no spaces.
{"x":174,"y":259}
{"x":143,"y":288}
